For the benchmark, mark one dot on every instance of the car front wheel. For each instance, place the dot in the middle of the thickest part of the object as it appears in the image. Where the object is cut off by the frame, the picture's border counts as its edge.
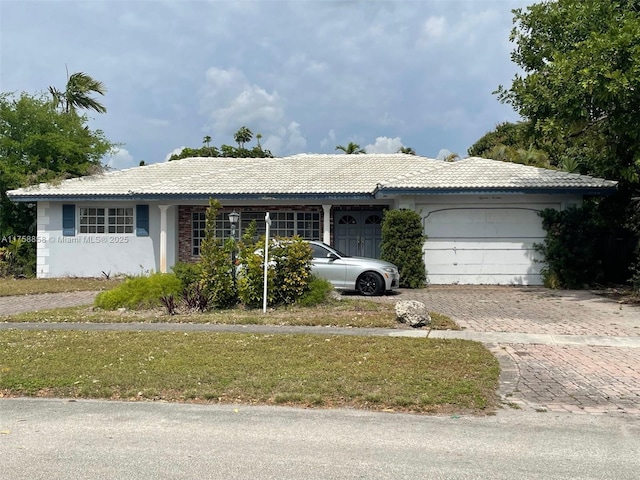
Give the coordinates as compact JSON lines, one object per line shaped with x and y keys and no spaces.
{"x":370,"y":283}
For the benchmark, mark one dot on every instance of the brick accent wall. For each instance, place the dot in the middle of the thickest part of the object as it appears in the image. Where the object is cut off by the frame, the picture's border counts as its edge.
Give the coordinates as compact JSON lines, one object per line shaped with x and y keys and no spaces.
{"x":185,"y":214}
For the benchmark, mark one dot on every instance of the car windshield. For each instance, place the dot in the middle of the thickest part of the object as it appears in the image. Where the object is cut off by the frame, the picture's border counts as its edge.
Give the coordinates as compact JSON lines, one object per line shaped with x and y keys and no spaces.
{"x":321,"y":250}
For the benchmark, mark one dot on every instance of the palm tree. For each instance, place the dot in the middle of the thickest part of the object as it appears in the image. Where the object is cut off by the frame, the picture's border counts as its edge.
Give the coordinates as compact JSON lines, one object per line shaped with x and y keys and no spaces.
{"x":207,"y":141}
{"x":452,"y":157}
{"x":532,"y":156}
{"x":351,"y":149}
{"x":407,"y":150}
{"x":242,"y":136}
{"x":77,"y":94}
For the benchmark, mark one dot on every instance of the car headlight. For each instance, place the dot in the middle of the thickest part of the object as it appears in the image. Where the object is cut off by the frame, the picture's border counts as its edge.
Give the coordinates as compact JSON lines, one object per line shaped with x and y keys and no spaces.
{"x":389,"y":269}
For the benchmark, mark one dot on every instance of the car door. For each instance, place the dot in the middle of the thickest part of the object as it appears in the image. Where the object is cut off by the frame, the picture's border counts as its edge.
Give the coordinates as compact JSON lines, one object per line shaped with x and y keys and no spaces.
{"x":327,"y":265}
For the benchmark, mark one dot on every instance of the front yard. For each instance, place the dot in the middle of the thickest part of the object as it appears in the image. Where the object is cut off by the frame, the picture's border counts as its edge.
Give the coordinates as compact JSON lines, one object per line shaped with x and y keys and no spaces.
{"x":382,"y":373}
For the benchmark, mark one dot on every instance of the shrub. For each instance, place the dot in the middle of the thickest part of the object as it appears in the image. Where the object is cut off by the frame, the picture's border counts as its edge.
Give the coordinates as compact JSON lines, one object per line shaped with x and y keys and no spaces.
{"x":188,"y":273}
{"x":288,"y":274}
{"x":216,"y":277}
{"x":570,"y":247}
{"x":318,"y":292}
{"x":292,"y":268}
{"x":402,"y":241}
{"x":140,"y":292}
{"x":17,"y":258}
{"x":251,"y":281}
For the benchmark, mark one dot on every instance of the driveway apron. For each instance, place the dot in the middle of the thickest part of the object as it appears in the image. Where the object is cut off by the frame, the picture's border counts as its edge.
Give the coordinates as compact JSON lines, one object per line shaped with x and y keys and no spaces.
{"x":568,"y":351}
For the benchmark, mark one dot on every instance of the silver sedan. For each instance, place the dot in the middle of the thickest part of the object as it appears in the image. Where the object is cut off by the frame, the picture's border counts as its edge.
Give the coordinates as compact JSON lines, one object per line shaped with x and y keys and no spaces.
{"x":368,"y":276}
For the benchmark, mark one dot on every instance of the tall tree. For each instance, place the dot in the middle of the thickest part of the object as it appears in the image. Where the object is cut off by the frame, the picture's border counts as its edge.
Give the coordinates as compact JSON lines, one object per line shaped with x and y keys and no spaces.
{"x":40,"y":143}
{"x":581,"y":87}
{"x":78,"y":94}
{"x":351,"y":149}
{"x":242,"y":136}
{"x":580,"y":91}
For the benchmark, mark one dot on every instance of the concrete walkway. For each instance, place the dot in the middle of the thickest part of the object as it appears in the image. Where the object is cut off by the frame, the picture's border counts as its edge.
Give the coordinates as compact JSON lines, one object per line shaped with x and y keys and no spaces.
{"x":568,"y":351}
{"x":45,"y":301}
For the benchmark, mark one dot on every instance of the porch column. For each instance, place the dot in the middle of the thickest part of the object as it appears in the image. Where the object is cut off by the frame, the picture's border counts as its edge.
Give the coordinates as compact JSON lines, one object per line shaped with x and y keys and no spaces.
{"x":326,"y":224}
{"x":163,"y":238}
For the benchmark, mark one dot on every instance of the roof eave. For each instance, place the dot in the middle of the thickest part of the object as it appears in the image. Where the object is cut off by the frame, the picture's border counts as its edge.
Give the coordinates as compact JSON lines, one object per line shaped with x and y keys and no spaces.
{"x":605,"y":190}
{"x":150,"y":197}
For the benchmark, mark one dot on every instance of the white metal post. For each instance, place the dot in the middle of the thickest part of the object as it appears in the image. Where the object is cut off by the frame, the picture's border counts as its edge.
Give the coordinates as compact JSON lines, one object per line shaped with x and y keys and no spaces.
{"x":267,"y":220}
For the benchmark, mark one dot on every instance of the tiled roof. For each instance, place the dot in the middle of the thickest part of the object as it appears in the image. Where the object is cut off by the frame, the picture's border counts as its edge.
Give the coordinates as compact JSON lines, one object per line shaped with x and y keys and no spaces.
{"x":477,"y":173}
{"x":311,"y":174}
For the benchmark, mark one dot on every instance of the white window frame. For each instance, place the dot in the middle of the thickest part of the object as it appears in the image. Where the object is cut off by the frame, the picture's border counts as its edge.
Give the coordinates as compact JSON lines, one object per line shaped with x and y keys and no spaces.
{"x":285,"y":223}
{"x":106,"y":220}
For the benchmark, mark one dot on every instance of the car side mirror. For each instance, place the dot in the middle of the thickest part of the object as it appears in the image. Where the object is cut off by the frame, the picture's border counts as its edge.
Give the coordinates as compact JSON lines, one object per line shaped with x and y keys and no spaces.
{"x":332,"y":256}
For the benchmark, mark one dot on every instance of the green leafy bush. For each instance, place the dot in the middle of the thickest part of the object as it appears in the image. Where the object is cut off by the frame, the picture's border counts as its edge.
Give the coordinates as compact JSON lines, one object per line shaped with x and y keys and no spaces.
{"x":402,"y":241}
{"x":292,"y":259}
{"x":188,"y":273}
{"x":318,"y":292}
{"x":17,"y":258}
{"x":251,"y":281}
{"x":570,"y":248}
{"x":216,"y":264}
{"x":140,"y":292}
{"x":288,"y":274}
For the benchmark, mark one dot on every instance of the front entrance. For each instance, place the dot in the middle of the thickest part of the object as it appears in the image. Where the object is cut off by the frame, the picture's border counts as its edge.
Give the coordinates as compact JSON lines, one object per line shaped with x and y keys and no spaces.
{"x":358,"y":233}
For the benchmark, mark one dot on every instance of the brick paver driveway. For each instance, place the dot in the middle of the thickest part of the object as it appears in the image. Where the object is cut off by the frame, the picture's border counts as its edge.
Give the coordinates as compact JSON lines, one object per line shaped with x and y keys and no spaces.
{"x":554,"y":376}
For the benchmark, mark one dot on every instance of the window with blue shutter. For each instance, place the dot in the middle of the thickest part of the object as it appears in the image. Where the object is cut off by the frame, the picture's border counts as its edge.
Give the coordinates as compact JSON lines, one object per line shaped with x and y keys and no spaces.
{"x":142,"y":220}
{"x":69,"y":220}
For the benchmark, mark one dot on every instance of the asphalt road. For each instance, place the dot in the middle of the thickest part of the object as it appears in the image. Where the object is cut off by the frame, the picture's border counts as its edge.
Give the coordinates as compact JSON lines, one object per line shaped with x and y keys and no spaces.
{"x":61,"y":439}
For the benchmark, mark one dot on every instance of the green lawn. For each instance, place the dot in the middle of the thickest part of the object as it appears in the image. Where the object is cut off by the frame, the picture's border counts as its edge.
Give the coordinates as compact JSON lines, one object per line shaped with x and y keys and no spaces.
{"x":380,"y":373}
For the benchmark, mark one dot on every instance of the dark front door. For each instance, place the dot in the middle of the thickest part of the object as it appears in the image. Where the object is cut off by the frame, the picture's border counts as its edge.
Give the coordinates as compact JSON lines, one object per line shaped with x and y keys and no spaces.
{"x":359,"y":233}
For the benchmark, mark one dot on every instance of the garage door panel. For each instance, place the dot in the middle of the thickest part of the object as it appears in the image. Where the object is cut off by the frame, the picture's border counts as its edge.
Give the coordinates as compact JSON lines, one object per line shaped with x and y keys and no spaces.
{"x":481,"y":279}
{"x":481,"y":224}
{"x":501,"y":244}
{"x":478,"y":231}
{"x":493,"y":245}
{"x":494,"y":262}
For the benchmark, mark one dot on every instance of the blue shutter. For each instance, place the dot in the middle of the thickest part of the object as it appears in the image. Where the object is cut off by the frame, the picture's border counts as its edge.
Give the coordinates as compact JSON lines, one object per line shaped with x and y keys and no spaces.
{"x":69,"y":220}
{"x":142,"y":220}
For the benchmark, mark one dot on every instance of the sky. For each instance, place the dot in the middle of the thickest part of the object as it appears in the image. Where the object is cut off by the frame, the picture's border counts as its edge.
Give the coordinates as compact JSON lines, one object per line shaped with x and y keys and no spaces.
{"x":306,"y":75}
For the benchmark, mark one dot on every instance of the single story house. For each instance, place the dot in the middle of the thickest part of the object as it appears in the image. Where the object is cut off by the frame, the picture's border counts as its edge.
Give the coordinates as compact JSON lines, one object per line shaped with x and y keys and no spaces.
{"x":480,"y":215}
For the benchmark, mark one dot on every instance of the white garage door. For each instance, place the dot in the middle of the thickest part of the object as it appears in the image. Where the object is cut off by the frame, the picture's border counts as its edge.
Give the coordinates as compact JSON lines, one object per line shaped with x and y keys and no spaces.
{"x":478,"y":245}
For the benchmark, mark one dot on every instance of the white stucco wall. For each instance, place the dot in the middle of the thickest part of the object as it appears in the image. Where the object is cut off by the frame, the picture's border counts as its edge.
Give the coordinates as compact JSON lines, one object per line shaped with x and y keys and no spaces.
{"x":89,"y":255}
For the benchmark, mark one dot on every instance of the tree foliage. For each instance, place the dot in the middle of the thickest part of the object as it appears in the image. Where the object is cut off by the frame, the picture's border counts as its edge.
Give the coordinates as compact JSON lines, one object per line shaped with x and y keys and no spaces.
{"x":39,"y":143}
{"x":351,"y":149}
{"x":407,"y":150}
{"x":581,"y":86}
{"x":571,"y":248}
{"x":78,"y":94}
{"x":216,"y":265}
{"x":402,"y":241}
{"x":242,"y":137}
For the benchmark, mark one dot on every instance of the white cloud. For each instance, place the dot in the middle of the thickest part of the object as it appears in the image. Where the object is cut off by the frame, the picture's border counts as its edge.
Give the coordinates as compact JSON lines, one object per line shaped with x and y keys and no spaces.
{"x":385,"y":145}
{"x":329,"y":140}
{"x":286,"y":141}
{"x":432,"y":30}
{"x":119,"y":159}
{"x":232,"y":101}
{"x":175,"y":151}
